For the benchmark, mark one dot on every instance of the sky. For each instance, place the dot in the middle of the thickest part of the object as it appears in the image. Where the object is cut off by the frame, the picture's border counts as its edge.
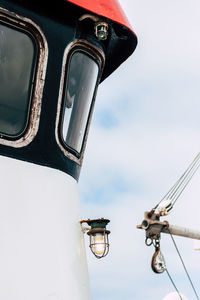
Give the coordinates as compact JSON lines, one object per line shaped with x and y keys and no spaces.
{"x":145,"y":132}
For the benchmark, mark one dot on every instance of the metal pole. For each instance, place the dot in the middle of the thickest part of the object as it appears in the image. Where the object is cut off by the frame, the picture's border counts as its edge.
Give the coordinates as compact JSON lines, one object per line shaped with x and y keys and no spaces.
{"x":181,"y":231}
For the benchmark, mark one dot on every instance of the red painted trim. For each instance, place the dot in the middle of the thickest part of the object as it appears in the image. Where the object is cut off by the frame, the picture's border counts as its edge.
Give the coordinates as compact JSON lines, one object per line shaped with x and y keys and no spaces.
{"x":110,"y":9}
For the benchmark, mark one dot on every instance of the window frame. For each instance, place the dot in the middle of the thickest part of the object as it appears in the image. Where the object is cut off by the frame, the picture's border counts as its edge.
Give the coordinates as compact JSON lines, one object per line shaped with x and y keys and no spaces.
{"x":38,"y":73}
{"x":98,"y":56}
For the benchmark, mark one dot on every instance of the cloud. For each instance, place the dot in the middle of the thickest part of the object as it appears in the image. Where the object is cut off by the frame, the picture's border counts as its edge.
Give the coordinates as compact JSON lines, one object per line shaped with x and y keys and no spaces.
{"x":144,"y":134}
{"x":174,"y":296}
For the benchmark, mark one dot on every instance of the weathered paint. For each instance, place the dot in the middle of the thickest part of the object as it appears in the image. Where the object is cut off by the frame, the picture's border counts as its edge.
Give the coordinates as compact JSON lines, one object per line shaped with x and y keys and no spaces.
{"x":38,"y":35}
{"x":42,"y":252}
{"x":107,"y":8}
{"x":90,"y":48}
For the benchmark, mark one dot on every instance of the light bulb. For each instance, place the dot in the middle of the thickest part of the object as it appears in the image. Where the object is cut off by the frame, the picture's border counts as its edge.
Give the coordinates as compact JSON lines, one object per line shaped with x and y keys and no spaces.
{"x":98,"y":244}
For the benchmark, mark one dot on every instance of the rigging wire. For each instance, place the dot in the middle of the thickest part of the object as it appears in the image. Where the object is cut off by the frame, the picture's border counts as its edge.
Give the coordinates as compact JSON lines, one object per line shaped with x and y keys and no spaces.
{"x":188,"y":176}
{"x":176,"y":190}
{"x":189,"y":278}
{"x":184,"y":179}
{"x":173,"y":284}
{"x":173,"y":194}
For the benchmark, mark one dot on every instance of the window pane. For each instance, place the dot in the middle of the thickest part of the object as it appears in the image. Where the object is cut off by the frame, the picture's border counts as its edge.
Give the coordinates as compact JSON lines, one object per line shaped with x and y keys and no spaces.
{"x":16,"y":64}
{"x":81,"y":82}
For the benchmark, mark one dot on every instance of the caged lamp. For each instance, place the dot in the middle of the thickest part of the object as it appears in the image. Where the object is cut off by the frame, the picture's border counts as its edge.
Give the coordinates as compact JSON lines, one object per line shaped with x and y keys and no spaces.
{"x":99,"y":242}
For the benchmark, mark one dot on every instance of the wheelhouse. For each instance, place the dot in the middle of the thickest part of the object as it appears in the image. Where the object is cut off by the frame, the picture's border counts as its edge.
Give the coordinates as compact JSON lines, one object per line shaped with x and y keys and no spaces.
{"x":52,"y":58}
{"x":51,"y":62}
{"x":82,"y":69}
{"x":23,"y":52}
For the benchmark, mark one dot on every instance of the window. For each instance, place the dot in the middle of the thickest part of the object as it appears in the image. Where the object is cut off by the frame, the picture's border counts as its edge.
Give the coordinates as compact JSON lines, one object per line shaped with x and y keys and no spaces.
{"x":17,"y":61}
{"x":80,"y":84}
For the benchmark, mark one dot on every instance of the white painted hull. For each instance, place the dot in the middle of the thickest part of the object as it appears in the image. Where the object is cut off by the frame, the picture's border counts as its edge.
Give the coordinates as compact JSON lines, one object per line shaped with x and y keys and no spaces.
{"x":42,"y":252}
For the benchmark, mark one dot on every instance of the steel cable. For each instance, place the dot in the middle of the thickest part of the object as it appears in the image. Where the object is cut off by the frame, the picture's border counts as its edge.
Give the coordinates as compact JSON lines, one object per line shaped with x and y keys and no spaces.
{"x":189,"y":278}
{"x":185,"y":178}
{"x":176,"y":190}
{"x":173,"y":283}
{"x":173,"y":194}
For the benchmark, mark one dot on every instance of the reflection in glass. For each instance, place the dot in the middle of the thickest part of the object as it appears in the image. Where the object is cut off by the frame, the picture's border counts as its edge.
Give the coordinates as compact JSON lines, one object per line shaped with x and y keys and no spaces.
{"x":16,"y":64}
{"x":99,"y":244}
{"x":81,"y":82}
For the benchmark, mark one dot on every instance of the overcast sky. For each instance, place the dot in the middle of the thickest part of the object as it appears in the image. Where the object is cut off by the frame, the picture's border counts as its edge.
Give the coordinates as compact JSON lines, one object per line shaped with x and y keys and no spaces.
{"x":144,"y":134}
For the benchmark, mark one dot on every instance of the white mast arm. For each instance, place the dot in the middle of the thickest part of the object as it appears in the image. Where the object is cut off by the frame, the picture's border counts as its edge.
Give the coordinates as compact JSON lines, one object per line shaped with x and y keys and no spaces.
{"x":182,"y":231}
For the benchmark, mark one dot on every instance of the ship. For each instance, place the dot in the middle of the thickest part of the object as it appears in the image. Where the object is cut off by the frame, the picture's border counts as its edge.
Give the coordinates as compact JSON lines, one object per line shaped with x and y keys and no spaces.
{"x":53,"y":56}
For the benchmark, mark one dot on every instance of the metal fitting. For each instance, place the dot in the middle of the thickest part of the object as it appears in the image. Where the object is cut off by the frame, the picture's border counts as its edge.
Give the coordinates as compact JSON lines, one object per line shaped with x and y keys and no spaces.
{"x":101,"y":30}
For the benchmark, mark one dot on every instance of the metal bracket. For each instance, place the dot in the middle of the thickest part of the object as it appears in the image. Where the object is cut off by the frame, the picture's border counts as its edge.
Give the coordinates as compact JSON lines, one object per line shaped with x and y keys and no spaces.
{"x":153,"y":227}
